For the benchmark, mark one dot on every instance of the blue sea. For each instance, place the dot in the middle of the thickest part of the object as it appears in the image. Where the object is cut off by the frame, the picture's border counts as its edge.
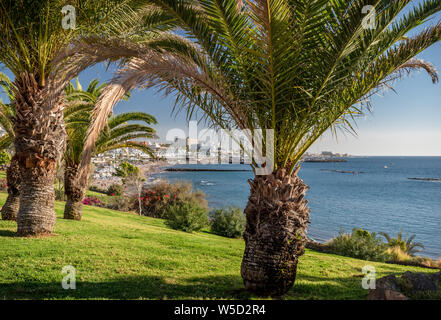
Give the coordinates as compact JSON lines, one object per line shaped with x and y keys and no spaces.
{"x":381,"y":198}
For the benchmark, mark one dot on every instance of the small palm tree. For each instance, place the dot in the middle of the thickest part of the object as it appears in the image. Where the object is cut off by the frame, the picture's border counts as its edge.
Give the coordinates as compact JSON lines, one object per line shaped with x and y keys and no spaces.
{"x":405,"y":243}
{"x":299,"y":68}
{"x":80,"y":103}
{"x":118,"y":134}
{"x":7,"y":114}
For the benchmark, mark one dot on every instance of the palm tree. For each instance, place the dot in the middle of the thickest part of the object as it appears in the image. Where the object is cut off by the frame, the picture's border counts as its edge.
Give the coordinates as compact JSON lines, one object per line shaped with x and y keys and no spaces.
{"x":44,"y":53}
{"x":118,"y":134}
{"x":299,"y":68}
{"x":7,"y":114}
{"x":77,"y":119}
{"x":406,"y":244}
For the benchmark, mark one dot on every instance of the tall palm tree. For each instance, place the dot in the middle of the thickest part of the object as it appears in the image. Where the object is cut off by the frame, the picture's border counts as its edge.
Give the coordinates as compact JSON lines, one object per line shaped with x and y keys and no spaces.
{"x":299,"y":68}
{"x":118,"y":134}
{"x":44,"y":51}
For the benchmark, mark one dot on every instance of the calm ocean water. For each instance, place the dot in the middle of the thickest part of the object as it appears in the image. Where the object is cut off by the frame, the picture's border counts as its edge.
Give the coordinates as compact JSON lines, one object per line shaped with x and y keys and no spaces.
{"x":382,"y":198}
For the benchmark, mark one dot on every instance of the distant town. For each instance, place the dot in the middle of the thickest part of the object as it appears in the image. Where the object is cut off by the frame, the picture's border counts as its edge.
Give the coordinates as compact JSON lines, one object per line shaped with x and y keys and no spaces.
{"x":182,"y":152}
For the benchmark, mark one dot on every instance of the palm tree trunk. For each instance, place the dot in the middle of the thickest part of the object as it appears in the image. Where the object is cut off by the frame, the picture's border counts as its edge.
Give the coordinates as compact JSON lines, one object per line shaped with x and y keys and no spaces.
{"x":39,"y":144}
{"x":12,"y":204}
{"x":74,"y":194}
{"x":275,"y":236}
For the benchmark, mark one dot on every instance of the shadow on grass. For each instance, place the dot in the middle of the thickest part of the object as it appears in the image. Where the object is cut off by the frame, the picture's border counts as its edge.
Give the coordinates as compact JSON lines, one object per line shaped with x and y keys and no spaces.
{"x":7,"y":233}
{"x":222,"y":287}
{"x":215,"y":287}
{"x":326,"y":287}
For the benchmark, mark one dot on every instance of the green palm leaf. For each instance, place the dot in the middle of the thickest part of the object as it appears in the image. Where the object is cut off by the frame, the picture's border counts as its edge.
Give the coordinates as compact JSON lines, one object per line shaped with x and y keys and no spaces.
{"x":119,"y":133}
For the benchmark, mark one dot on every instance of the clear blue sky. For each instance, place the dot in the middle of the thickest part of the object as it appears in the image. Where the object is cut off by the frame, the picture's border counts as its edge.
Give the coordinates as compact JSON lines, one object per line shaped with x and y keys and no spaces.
{"x":406,"y":123}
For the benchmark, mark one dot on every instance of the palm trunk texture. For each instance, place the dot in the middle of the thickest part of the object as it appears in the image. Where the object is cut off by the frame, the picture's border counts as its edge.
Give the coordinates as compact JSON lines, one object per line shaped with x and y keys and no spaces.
{"x":39,"y":144}
{"x":74,"y":194}
{"x":275,"y":236}
{"x":12,"y":204}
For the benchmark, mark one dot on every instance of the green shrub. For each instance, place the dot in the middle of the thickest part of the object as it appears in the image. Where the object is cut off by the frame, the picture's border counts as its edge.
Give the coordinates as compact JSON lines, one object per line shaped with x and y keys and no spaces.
{"x":5,"y":158}
{"x":126,"y":169}
{"x":187,"y":216}
{"x":3,"y":185}
{"x":228,"y":222}
{"x":405,"y":243}
{"x":115,"y":190}
{"x":120,"y":203}
{"x":97,"y":189}
{"x":397,"y":254}
{"x":157,"y":199}
{"x":360,"y":244}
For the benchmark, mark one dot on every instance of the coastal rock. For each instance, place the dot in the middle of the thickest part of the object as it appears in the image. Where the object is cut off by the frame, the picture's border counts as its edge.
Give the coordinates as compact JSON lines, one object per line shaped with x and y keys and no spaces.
{"x":389,"y":282}
{"x":384,"y":294}
{"x":417,"y":282}
{"x":387,"y":288}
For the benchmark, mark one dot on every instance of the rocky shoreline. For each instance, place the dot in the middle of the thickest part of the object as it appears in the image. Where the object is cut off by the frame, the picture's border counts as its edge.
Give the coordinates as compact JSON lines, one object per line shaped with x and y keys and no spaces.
{"x":409,"y":284}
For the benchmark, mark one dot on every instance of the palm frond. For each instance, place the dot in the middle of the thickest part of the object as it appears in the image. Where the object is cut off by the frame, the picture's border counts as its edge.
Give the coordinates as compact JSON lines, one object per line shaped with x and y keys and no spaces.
{"x":130,"y":145}
{"x":300,"y":68}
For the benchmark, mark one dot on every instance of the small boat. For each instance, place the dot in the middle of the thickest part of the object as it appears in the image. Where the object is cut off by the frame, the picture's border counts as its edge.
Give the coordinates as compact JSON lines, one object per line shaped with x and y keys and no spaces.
{"x":385,"y":167}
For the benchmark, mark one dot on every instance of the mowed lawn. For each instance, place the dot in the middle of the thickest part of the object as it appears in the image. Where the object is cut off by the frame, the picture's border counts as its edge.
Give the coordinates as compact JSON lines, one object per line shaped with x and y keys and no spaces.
{"x":124,"y":256}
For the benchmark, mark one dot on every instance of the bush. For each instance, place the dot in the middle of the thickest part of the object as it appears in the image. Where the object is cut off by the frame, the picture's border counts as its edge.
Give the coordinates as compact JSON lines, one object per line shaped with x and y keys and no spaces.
{"x":127,"y":169}
{"x":3,"y":185}
{"x":157,"y":199}
{"x":187,"y":216}
{"x":97,"y":189}
{"x":91,"y":201}
{"x":115,"y":190}
{"x":120,"y":203}
{"x":361,"y":244}
{"x":5,"y":158}
{"x":397,"y":254}
{"x":228,"y":222}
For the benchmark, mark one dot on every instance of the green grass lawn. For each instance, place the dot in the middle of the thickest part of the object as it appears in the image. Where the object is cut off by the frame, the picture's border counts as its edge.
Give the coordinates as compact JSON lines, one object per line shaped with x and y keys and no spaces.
{"x":123,"y":256}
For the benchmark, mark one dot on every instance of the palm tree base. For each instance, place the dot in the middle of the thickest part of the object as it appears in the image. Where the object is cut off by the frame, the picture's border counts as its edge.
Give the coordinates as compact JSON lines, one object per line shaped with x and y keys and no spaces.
{"x":36,"y":216}
{"x":275,"y":237}
{"x":10,"y":208}
{"x":74,"y":193}
{"x":73,"y":210}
